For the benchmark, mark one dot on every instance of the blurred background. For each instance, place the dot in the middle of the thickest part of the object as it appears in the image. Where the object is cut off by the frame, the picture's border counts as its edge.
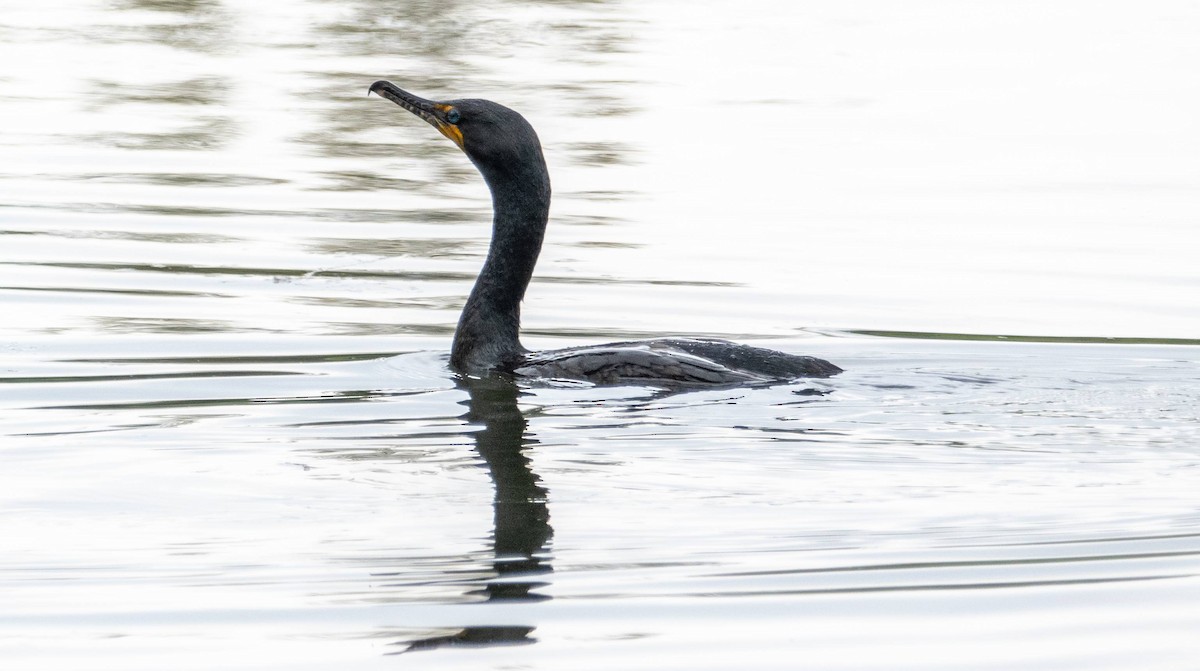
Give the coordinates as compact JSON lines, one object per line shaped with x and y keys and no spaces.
{"x":750,"y":169}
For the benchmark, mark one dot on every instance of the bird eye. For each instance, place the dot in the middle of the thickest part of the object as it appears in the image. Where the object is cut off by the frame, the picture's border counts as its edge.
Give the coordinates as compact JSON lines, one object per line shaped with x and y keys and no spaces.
{"x":453,"y":116}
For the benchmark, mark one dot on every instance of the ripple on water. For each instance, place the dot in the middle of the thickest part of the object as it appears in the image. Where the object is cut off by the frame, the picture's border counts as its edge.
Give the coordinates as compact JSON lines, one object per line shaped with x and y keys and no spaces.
{"x":229,"y":280}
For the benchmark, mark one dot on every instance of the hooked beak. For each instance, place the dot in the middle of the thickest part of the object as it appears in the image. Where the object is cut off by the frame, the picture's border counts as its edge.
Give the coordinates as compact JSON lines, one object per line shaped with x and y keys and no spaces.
{"x":433,"y":112}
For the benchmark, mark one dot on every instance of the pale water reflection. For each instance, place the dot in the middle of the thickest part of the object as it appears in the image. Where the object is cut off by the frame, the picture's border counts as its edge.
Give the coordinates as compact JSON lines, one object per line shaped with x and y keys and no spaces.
{"x":229,"y":281}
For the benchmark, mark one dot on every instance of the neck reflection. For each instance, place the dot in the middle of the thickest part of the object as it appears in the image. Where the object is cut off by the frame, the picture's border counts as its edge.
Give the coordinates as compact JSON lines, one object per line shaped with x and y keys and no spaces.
{"x":521,"y":531}
{"x":521,"y":518}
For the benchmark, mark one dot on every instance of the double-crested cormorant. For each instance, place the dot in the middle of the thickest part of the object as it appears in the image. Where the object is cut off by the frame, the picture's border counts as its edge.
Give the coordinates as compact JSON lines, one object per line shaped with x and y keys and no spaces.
{"x":506,"y":150}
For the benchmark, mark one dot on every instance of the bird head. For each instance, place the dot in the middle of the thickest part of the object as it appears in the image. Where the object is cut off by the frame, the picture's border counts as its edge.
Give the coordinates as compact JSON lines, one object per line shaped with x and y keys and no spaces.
{"x":497,"y":139}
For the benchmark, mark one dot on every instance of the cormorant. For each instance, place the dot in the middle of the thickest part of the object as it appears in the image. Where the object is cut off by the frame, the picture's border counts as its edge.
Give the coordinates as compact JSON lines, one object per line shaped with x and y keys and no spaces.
{"x":506,"y":150}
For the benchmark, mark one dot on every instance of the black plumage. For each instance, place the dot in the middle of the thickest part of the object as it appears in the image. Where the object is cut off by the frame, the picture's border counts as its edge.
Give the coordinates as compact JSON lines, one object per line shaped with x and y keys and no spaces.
{"x":507,"y":152}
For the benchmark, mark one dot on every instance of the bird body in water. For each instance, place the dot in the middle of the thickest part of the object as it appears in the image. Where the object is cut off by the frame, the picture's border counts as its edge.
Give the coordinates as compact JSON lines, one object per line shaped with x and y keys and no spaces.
{"x":507,"y":152}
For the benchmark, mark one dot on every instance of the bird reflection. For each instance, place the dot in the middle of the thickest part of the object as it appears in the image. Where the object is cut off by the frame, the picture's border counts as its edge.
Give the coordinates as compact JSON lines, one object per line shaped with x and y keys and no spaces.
{"x":521,"y":519}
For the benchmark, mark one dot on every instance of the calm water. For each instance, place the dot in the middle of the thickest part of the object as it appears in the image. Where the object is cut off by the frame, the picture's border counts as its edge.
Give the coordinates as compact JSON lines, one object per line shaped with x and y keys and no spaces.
{"x":229,"y":280}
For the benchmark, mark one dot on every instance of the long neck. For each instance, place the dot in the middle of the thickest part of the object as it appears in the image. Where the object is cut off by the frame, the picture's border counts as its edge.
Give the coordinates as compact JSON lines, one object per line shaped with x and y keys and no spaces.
{"x":487,"y":337}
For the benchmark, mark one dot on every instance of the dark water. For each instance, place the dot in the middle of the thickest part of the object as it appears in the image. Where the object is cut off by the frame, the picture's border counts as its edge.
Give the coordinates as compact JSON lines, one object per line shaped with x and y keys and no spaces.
{"x":229,"y":280}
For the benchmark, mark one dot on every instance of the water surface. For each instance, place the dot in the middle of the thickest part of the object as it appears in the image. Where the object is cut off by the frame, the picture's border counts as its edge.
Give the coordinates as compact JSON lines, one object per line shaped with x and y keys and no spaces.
{"x":229,"y":280}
